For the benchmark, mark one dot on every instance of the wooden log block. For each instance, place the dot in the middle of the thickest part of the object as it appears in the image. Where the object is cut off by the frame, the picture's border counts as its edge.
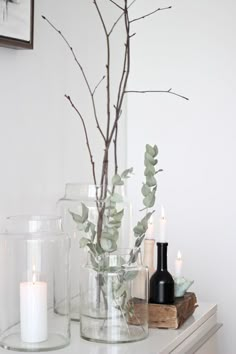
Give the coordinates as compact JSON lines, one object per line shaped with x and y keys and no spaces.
{"x":166,"y":316}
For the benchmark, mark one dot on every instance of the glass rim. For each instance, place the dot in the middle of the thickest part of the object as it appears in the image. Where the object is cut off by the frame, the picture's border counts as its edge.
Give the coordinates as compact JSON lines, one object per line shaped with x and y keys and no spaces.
{"x":27,"y":230}
{"x":39,"y":217}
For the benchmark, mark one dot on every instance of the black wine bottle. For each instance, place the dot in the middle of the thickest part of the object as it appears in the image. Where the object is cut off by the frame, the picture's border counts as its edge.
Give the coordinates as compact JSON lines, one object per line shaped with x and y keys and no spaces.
{"x":161,"y":282}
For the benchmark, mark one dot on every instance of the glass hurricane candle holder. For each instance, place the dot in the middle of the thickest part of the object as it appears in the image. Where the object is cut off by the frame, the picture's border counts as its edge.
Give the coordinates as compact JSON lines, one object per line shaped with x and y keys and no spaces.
{"x":34,"y":271}
{"x":114,"y":299}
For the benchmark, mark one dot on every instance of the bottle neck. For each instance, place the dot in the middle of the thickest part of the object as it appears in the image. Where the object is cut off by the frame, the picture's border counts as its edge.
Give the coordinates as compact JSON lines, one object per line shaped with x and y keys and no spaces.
{"x":162,"y":256}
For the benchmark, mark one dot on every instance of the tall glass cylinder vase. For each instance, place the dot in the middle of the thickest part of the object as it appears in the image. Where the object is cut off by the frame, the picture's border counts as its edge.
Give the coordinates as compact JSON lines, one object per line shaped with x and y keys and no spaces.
{"x":114,"y":299}
{"x":75,"y":195}
{"x":34,"y":276}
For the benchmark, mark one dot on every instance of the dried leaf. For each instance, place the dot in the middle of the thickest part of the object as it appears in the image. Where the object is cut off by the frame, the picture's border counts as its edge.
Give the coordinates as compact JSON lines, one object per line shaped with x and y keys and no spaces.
{"x":83,"y":242}
{"x":149,"y":170}
{"x":151,"y":150}
{"x":118,"y":216}
{"x":145,"y":190}
{"x":151,"y":181}
{"x":127,"y":173}
{"x":149,"y":200}
{"x":139,"y":229}
{"x":150,"y":159}
{"x":85,"y":212}
{"x":117,"y":181}
{"x":116,"y":198}
{"x":77,"y":218}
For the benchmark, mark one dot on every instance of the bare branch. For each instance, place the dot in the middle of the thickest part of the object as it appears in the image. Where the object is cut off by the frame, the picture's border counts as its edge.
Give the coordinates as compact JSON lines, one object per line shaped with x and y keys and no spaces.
{"x":158,"y":91}
{"x":104,"y":174}
{"x":113,"y":2}
{"x":132,"y":35}
{"x":99,"y":83}
{"x":101,"y":18}
{"x":115,"y":142}
{"x":150,"y":13}
{"x":115,"y":149}
{"x":125,"y":73}
{"x":119,"y":18}
{"x":107,"y":67}
{"x":86,"y":137}
{"x":82,"y":71}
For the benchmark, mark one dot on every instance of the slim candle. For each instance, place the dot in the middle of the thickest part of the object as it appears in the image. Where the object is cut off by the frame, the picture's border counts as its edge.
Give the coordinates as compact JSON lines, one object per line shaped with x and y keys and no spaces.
{"x":178,"y":265}
{"x":149,"y":255}
{"x":150,"y":231}
{"x":33,"y":311}
{"x":162,"y":226}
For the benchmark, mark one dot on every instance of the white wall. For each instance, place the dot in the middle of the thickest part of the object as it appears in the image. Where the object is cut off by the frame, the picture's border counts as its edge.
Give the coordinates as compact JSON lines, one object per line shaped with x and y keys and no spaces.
{"x":42,"y":144}
{"x":192,"y":49}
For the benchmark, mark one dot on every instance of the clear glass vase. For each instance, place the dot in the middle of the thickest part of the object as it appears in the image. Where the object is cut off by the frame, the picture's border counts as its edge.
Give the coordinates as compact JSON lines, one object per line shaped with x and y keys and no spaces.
{"x":34,"y":269}
{"x":114,"y":299}
{"x":75,"y":195}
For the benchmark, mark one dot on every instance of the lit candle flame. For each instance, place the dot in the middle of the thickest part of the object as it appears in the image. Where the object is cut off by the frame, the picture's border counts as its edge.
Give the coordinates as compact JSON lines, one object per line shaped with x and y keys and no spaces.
{"x":179,"y":255}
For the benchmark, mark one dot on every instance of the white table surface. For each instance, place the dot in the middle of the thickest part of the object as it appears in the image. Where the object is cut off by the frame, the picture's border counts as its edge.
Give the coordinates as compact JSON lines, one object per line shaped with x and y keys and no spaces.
{"x":159,"y":340}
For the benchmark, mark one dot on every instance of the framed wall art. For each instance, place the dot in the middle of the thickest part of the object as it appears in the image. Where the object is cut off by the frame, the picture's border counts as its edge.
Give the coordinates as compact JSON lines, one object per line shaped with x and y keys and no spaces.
{"x":17,"y":23}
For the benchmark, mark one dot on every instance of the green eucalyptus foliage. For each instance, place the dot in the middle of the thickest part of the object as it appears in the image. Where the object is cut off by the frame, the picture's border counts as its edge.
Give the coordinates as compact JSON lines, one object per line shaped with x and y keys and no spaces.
{"x":111,"y":222}
{"x":150,"y":186}
{"x":148,"y":191}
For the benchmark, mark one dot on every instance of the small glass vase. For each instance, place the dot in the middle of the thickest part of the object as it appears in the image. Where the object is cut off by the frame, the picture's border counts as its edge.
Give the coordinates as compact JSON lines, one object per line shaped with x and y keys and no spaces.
{"x":34,"y":269}
{"x":114,"y":299}
{"x":75,"y":195}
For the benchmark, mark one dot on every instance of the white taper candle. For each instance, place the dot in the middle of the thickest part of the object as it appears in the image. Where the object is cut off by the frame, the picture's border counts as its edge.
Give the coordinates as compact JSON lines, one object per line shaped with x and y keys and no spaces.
{"x":178,"y":265}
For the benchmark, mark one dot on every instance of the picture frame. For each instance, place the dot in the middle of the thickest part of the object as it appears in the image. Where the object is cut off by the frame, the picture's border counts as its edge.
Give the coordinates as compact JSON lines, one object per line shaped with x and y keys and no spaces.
{"x":17,"y":24}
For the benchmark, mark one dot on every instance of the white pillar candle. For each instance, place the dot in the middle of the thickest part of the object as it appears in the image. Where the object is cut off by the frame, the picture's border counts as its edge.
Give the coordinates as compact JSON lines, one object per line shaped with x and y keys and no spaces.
{"x":162,"y":231}
{"x":178,"y":265}
{"x":33,"y":311}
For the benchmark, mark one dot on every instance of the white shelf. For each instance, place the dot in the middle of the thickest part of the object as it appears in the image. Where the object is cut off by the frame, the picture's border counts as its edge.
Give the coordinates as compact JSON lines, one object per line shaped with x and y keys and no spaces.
{"x":160,"y":341}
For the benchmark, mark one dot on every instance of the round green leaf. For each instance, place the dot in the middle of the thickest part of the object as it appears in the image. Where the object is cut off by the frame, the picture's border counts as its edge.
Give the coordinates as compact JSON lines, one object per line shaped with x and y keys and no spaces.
{"x":145,"y":190}
{"x":83,"y":242}
{"x":149,"y":200}
{"x":151,"y":181}
{"x":149,"y":170}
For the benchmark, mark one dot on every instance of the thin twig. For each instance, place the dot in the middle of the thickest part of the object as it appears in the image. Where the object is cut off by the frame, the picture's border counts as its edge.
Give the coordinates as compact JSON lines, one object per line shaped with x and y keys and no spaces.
{"x":113,"y":2}
{"x":86,"y":137}
{"x":132,"y":35}
{"x":119,"y":18}
{"x":82,"y":71}
{"x":104,"y":175}
{"x":98,"y":84}
{"x":125,"y":72}
{"x":115,"y":150}
{"x":107,"y":66}
{"x":158,"y":91}
{"x":150,"y":13}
